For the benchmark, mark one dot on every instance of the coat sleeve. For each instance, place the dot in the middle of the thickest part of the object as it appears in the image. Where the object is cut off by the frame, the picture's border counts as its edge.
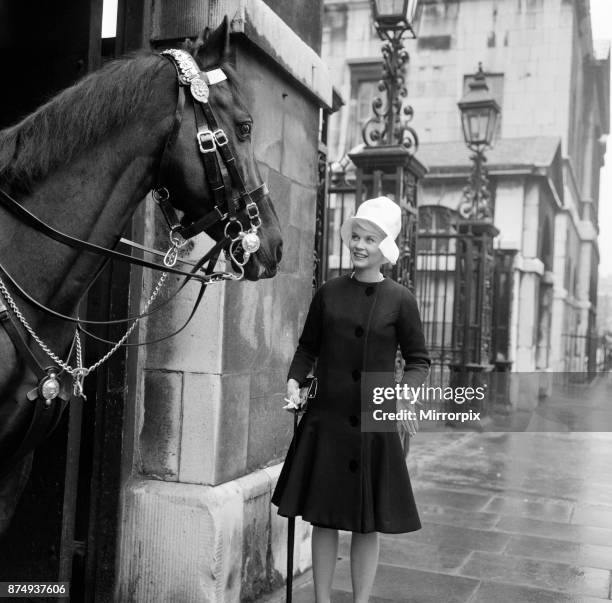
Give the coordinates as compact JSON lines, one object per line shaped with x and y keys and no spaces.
{"x":310,"y":341}
{"x":412,"y":341}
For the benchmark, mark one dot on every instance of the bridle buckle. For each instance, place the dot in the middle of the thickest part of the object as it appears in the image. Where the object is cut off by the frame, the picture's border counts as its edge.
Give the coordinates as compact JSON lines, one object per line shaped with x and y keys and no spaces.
{"x":206,"y":141}
{"x":220,"y":137}
{"x":222,"y":215}
{"x":252,"y":210}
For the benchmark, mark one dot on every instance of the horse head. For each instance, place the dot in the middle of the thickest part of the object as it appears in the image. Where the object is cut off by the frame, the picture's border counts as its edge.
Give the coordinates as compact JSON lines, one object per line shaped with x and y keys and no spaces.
{"x":191,"y":182}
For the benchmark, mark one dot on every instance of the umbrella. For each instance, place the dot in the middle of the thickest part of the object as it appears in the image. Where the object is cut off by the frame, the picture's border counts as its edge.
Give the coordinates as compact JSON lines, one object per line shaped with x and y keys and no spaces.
{"x":309,"y":387}
{"x":291,"y":527}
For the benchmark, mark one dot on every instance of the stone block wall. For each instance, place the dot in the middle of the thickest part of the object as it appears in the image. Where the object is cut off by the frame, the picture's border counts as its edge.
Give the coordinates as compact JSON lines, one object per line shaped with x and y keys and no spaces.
{"x":209,"y":430}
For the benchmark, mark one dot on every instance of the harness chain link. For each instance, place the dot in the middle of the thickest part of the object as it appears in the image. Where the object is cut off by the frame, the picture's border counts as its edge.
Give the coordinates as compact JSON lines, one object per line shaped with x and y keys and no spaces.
{"x":189,"y":75}
{"x":78,"y":372}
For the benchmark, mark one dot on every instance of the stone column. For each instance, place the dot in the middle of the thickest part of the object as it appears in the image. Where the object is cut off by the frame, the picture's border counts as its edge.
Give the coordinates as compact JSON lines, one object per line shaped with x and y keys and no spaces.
{"x":196,"y":523}
{"x":531,"y":269}
{"x":584,"y":279}
{"x":560,"y":294}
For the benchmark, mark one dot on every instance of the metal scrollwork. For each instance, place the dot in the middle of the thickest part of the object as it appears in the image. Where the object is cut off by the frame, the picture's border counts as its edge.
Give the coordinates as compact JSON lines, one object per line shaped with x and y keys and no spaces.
{"x":476,"y":204}
{"x":390,"y":123}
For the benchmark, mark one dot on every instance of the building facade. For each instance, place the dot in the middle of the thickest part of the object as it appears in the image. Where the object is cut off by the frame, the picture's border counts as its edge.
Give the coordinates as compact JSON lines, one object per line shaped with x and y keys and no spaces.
{"x":551,"y":81}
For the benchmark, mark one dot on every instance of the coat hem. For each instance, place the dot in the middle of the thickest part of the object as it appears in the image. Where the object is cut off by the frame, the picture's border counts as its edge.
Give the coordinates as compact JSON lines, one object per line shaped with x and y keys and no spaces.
{"x":401,"y":530}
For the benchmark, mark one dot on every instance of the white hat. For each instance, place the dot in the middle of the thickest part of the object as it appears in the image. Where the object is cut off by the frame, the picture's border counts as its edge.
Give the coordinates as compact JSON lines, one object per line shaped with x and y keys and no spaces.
{"x":385,"y":214}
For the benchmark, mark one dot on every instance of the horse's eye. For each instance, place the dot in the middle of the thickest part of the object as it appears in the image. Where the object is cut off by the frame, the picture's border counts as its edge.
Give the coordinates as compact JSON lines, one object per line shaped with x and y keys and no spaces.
{"x":244,"y":130}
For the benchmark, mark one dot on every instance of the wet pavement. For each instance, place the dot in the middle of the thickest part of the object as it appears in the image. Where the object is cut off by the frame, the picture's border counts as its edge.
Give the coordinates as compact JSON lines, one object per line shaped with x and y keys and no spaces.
{"x":507,"y":517}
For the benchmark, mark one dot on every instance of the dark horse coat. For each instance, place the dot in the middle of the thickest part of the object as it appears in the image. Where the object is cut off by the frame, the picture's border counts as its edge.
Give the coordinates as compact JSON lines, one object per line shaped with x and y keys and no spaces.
{"x":339,"y":476}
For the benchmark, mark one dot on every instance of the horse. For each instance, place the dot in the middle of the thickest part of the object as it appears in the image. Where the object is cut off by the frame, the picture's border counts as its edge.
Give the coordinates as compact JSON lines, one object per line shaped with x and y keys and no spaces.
{"x":80,"y":165}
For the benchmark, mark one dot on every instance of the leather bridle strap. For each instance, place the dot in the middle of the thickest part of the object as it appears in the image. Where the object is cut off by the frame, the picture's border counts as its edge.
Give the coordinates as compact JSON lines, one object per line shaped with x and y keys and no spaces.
{"x":47,"y":413}
{"x":212,"y":253}
{"x":165,"y":337}
{"x":31,"y":220}
{"x":214,"y":216}
{"x":222,"y":144}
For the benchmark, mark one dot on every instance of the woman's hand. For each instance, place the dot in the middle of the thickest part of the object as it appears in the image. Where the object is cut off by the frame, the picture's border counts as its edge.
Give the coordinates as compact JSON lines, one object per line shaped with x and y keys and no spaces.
{"x":410,"y":423}
{"x":293,"y":398}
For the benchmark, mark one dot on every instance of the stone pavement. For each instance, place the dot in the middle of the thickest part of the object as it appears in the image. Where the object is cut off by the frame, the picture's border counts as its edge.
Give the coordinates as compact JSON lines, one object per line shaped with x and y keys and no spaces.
{"x":507,"y":517}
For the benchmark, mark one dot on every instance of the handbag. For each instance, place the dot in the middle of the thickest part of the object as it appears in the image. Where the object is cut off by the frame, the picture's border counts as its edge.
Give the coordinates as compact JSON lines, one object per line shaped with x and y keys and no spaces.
{"x":309,"y":386}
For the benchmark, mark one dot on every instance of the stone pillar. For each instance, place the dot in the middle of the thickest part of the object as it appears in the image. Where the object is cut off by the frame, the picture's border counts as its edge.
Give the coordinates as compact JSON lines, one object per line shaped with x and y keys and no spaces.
{"x":560,"y":294}
{"x":197,"y":524}
{"x":531,"y":269}
{"x":584,"y":280}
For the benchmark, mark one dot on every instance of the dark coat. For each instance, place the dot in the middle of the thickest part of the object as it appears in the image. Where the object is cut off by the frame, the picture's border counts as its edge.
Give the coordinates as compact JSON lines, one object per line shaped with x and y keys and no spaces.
{"x":339,"y":476}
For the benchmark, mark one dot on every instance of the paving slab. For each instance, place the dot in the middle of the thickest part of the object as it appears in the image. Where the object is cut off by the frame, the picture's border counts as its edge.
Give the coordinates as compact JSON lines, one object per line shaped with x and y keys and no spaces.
{"x":457,"y":517}
{"x":591,"y":555}
{"x":429,"y":557}
{"x":410,"y":585}
{"x":531,"y":506}
{"x":452,"y":536}
{"x":555,"y":530}
{"x":509,"y":593}
{"x":593,"y":515}
{"x":445,"y":497}
{"x":549,"y":575}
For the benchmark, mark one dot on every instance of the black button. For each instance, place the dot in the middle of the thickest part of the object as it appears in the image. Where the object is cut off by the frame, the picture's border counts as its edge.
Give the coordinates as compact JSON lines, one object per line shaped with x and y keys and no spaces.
{"x":369,"y":290}
{"x":353,"y":465}
{"x":359,"y":331}
{"x":353,"y":420}
{"x":356,"y":375}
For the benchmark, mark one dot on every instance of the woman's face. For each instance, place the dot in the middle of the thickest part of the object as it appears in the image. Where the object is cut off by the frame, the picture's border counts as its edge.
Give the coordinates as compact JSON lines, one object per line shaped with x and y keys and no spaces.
{"x":364,"y":247}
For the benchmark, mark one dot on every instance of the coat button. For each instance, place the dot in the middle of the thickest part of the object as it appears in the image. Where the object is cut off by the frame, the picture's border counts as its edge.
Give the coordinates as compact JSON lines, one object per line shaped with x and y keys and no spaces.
{"x":369,"y":290}
{"x":356,"y":375}
{"x":353,"y":420}
{"x":353,"y":465}
{"x":359,"y":331}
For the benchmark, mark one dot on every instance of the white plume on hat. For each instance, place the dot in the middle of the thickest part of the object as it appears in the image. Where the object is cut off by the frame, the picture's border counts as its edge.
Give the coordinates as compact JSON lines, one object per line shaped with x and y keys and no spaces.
{"x":385,"y":214}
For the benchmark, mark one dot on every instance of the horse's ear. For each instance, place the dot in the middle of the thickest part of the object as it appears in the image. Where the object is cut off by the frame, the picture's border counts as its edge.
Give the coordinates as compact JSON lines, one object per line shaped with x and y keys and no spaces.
{"x":211,"y":47}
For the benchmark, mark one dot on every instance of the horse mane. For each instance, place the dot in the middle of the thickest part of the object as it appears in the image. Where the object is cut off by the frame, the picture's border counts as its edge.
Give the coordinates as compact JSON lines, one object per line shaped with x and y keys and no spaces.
{"x":75,"y":119}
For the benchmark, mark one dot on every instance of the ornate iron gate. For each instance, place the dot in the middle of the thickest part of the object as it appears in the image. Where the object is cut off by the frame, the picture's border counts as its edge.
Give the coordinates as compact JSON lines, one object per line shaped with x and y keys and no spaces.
{"x":436,"y":285}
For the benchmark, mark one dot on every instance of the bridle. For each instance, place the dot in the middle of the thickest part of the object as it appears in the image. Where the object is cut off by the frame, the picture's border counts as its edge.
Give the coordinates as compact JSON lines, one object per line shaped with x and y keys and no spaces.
{"x":223,"y":178}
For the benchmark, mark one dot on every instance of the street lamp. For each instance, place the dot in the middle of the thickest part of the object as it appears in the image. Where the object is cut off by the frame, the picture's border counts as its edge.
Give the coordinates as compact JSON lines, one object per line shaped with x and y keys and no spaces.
{"x":475,"y":256}
{"x":479,"y":117}
{"x":393,"y":19}
{"x":386,"y":165}
{"x":395,"y":15}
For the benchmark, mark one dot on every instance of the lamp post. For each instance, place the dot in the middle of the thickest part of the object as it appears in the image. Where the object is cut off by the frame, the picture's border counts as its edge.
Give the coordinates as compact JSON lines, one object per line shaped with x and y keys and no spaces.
{"x":479,"y":116}
{"x":386,"y":165}
{"x":475,"y":261}
{"x":392,"y":19}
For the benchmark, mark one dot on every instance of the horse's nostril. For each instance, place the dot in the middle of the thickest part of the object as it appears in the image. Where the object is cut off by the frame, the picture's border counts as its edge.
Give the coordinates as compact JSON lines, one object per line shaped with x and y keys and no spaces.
{"x":279,"y":253}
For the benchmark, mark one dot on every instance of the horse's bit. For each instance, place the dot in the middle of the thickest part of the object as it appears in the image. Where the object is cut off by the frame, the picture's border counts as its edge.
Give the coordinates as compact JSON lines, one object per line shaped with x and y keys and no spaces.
{"x":240,"y":244}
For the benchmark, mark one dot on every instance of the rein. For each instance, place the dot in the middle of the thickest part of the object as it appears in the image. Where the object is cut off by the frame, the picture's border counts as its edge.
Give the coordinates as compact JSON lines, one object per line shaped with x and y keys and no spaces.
{"x":239,"y":244}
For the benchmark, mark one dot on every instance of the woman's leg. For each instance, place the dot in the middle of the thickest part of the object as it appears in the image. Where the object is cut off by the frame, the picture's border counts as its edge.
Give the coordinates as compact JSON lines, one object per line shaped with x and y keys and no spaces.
{"x":364,"y":561}
{"x":324,"y":554}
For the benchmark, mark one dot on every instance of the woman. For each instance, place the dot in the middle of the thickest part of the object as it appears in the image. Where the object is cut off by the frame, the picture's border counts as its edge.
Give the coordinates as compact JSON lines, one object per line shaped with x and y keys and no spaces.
{"x":338,"y":477}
